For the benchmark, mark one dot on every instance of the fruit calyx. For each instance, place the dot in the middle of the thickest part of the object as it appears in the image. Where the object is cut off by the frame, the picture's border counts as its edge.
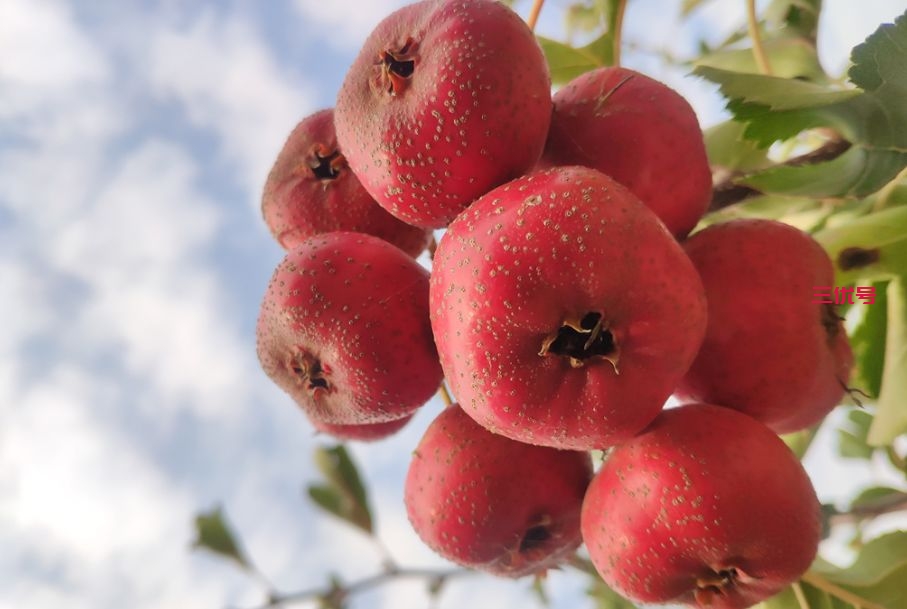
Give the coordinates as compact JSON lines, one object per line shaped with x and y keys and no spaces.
{"x":395,"y":68}
{"x":831,"y":321}
{"x":326,"y":164}
{"x":311,"y":373}
{"x":580,"y":339}
{"x":716,"y":583}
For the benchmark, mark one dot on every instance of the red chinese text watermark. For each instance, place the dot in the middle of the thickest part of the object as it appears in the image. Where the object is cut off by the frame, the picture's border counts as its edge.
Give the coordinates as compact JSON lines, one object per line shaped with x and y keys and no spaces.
{"x":846,"y":295}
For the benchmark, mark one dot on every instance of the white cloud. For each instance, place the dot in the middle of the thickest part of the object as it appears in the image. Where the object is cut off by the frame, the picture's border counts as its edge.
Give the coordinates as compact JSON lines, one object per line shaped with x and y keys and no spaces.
{"x":345,"y":24}
{"x":91,"y":515}
{"x":227,"y":80}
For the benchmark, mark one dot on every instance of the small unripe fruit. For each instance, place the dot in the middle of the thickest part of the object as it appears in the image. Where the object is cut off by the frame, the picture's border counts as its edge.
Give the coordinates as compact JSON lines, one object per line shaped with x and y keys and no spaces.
{"x":490,"y":503}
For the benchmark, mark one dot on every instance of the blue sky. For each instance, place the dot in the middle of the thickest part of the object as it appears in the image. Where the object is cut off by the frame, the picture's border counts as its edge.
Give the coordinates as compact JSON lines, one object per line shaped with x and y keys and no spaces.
{"x":135,"y":138}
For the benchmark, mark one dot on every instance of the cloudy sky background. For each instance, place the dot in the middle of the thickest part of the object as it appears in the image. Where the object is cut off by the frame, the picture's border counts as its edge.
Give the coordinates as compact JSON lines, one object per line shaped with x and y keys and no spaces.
{"x":135,"y":138}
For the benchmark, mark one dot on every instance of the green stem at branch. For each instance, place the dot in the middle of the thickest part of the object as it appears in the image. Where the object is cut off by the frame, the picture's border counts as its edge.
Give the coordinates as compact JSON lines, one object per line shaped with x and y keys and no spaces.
{"x":756,"y":38}
{"x":618,"y":27}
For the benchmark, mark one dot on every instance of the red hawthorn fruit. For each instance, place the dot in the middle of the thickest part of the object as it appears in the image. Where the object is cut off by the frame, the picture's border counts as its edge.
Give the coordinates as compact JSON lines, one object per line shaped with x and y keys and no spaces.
{"x":489,"y":503}
{"x":770,"y":349}
{"x":369,"y":432}
{"x":707,"y":507}
{"x":445,"y":101}
{"x":310,"y":190}
{"x":640,"y":132}
{"x":563,"y":310}
{"x":344,"y":329}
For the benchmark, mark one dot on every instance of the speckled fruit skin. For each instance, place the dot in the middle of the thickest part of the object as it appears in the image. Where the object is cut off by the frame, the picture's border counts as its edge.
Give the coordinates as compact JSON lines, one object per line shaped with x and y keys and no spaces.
{"x":640,"y":132}
{"x":344,"y":329}
{"x":707,"y":507}
{"x":770,"y":350}
{"x":368,"y":432}
{"x":487,"y":502}
{"x":542,"y":252}
{"x":311,"y":190}
{"x":445,"y":101}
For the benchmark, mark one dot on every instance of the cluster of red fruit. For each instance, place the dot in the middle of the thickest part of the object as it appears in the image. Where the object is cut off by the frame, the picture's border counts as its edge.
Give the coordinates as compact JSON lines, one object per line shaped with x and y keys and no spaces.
{"x":564,"y":306}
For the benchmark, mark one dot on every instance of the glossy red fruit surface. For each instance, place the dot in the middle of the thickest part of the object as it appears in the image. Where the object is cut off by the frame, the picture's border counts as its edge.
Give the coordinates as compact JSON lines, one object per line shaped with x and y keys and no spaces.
{"x":487,"y":502}
{"x":563,"y":310}
{"x":311,"y":190}
{"x":344,"y":329}
{"x":445,"y":101}
{"x":770,"y":349}
{"x":707,"y":507}
{"x":642,"y":133}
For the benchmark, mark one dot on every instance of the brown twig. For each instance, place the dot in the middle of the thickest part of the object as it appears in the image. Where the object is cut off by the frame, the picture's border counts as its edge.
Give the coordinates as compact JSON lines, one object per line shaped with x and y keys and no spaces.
{"x":341,"y":592}
{"x":727,"y":192}
{"x":534,"y":13}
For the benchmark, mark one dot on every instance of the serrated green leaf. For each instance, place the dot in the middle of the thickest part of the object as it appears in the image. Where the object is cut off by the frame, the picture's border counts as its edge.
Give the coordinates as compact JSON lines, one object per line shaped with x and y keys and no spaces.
{"x":789,"y":58}
{"x":212,"y":533}
{"x":874,"y":120}
{"x":878,"y":68}
{"x":773,"y":92}
{"x":344,"y":494}
{"x":566,"y":62}
{"x":868,"y":344}
{"x":890,"y":419}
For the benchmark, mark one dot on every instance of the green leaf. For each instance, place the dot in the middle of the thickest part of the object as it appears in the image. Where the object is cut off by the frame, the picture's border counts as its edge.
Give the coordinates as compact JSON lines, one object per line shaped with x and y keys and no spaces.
{"x":872,"y":496}
{"x":878,"y":68}
{"x":879,"y":239}
{"x":212,"y":533}
{"x":566,"y":62}
{"x":772,"y":92}
{"x":877,"y":575}
{"x":868,"y":344}
{"x":789,"y":58}
{"x":852,"y":437}
{"x":874,"y":120}
{"x":689,"y":6}
{"x":343,"y":495}
{"x":856,"y":173}
{"x":890,"y":418}
{"x":727,"y":148}
{"x":801,"y":212}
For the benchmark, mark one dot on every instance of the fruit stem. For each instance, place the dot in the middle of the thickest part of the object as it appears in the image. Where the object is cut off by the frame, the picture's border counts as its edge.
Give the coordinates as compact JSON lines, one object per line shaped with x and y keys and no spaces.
{"x":534,"y":14}
{"x":445,"y":395}
{"x":817,"y":581}
{"x":616,"y":35}
{"x":801,"y":596}
{"x":758,"y":50}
